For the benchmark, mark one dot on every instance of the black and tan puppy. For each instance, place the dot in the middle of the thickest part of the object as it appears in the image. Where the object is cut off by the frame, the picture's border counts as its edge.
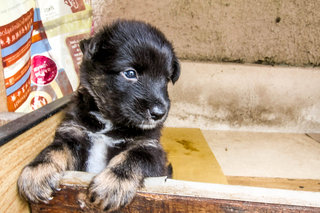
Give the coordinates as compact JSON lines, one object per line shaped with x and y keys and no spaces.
{"x":113,"y":125}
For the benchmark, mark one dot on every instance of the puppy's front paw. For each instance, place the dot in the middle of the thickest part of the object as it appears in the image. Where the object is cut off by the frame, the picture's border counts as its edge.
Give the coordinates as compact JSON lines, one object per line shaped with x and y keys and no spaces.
{"x":38,"y":183}
{"x":110,"y":192}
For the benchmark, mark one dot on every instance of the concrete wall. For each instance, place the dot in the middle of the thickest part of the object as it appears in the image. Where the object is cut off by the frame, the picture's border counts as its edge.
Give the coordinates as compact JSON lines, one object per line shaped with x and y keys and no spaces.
{"x":234,"y":96}
{"x":246,"y":97}
{"x":248,"y":31}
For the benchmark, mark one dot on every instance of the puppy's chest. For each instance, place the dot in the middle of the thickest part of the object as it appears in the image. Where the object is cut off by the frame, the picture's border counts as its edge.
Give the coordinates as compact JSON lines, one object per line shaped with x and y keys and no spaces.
{"x":100,"y":150}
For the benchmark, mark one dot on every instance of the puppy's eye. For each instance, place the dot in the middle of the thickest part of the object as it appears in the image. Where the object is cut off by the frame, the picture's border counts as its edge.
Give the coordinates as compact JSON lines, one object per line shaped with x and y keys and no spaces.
{"x":130,"y":74}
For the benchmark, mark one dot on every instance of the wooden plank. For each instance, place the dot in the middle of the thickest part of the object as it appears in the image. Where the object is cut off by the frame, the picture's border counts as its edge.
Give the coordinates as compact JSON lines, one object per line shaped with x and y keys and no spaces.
{"x":68,"y":202}
{"x":16,"y":154}
{"x":3,"y":95}
{"x":162,"y":203}
{"x":279,"y":183}
{"x":190,"y":156}
{"x":72,"y":198}
{"x":31,"y":119}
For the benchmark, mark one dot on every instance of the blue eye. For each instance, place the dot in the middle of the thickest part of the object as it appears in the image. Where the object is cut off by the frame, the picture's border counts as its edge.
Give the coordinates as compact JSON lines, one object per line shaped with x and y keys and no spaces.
{"x":130,"y":74}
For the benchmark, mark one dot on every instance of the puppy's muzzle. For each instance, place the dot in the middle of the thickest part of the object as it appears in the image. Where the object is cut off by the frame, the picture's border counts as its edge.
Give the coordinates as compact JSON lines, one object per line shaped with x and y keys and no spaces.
{"x":157,"y":112}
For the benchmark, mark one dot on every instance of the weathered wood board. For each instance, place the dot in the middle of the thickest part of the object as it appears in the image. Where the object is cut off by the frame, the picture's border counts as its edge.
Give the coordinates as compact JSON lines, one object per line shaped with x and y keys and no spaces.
{"x":160,"y":195}
{"x":311,"y":185}
{"x":15,"y":155}
{"x":191,"y":156}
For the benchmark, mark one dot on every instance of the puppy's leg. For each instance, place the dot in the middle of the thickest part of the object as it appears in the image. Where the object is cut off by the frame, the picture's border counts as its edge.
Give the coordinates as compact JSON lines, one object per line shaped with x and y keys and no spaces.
{"x":40,"y":178}
{"x":116,"y":186}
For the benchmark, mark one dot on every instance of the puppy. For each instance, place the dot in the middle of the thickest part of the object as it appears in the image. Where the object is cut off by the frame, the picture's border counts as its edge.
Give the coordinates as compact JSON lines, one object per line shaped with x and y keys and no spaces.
{"x":112,"y":127}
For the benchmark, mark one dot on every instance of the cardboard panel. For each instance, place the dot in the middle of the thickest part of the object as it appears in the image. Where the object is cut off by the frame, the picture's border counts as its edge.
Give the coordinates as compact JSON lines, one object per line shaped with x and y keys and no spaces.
{"x":3,"y":97}
{"x":190,"y":156}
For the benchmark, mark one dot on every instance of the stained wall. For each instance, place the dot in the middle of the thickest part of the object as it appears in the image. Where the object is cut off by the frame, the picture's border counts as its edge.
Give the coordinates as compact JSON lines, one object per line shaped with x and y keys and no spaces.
{"x":282,"y":94}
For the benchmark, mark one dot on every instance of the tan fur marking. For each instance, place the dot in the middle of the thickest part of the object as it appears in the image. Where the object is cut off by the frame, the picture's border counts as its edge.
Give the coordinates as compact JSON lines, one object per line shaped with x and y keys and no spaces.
{"x":112,"y":191}
{"x":64,"y":159}
{"x":72,"y":128}
{"x":120,"y":158}
{"x":35,"y":182}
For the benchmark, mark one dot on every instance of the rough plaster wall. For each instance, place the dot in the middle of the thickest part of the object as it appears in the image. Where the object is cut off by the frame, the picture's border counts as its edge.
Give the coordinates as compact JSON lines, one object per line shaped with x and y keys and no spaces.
{"x":246,"y":97}
{"x":249,"y":31}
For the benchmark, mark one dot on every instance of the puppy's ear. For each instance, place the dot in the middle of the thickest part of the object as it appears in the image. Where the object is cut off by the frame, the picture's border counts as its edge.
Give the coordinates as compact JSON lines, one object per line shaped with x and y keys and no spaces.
{"x":88,"y":47}
{"x":176,"y":70}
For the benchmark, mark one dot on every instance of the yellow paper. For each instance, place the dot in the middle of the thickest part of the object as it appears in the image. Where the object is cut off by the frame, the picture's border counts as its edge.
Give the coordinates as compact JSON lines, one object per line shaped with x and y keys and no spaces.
{"x":190,"y":156}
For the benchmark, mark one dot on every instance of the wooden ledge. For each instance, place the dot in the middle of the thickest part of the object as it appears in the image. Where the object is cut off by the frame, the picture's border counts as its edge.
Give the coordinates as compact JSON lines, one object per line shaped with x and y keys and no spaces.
{"x":166,"y":195}
{"x":18,"y":126}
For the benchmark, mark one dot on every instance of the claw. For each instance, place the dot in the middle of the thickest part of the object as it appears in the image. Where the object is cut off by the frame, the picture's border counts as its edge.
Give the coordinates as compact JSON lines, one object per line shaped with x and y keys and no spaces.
{"x":93,"y":198}
{"x":45,"y":201}
{"x":107,"y":207}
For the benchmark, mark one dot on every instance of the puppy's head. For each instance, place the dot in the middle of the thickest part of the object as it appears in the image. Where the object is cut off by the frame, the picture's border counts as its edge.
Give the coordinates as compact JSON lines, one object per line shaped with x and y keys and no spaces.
{"x":126,"y":68}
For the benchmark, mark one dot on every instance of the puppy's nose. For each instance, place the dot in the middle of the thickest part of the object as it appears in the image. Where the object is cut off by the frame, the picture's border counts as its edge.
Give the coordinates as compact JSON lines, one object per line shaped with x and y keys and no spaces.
{"x":157,"y":112}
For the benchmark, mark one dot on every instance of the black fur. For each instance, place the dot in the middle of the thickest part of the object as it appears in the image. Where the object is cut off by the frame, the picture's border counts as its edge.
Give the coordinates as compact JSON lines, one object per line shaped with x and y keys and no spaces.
{"x":136,"y":108}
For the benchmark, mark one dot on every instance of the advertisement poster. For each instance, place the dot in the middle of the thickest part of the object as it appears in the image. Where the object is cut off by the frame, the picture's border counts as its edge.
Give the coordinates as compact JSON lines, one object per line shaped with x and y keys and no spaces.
{"x":40,"y":50}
